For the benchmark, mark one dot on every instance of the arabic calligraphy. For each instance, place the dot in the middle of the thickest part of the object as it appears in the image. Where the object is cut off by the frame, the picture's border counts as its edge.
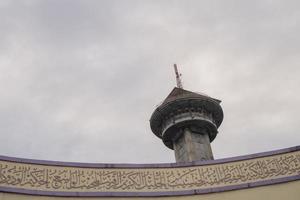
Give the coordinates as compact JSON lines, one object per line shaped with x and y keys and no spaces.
{"x":76,"y":179}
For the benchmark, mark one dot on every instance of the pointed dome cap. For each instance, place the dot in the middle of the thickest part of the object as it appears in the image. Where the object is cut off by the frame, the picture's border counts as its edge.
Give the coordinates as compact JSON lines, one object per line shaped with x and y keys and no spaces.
{"x":182,"y":99}
{"x":179,"y":93}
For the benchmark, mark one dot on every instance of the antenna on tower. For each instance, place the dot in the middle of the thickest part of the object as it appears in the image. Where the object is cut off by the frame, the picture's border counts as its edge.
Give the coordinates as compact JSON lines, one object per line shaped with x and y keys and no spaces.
{"x":178,"y":79}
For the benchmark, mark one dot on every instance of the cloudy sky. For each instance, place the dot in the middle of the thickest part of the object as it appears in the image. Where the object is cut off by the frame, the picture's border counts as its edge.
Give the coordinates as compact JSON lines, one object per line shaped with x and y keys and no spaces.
{"x":79,"y":79}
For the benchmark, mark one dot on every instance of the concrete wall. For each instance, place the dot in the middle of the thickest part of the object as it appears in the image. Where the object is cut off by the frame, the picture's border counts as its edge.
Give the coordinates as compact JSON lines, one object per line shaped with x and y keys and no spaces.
{"x":286,"y":191}
{"x":22,"y":178}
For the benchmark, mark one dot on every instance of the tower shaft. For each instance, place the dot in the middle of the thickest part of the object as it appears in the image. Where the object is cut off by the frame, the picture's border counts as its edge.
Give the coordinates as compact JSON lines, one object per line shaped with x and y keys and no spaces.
{"x":192,"y":146}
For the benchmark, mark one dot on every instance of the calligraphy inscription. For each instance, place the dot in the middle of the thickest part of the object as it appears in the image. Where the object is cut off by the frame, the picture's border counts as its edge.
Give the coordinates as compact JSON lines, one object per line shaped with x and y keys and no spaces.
{"x":76,"y":179}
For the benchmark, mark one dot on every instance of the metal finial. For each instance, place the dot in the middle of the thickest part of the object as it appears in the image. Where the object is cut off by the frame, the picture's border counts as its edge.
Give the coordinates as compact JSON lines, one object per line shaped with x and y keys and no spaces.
{"x":178,"y":79}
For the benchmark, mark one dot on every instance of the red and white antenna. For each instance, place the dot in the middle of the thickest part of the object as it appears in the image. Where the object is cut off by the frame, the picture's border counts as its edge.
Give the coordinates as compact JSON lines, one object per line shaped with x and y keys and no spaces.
{"x":178,"y":79}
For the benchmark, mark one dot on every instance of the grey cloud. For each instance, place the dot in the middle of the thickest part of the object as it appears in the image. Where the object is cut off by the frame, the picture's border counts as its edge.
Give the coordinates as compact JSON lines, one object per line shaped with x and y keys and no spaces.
{"x":80,"y":79}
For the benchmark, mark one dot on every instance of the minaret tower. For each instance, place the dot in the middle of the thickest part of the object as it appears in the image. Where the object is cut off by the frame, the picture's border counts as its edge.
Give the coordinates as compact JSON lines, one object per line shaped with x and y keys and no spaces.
{"x":187,"y":122}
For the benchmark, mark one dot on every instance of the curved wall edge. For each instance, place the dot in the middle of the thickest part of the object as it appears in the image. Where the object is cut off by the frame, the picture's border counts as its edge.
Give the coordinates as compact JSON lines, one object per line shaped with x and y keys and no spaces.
{"x":150,"y":194}
{"x":152,"y":165}
{"x":50,"y":178}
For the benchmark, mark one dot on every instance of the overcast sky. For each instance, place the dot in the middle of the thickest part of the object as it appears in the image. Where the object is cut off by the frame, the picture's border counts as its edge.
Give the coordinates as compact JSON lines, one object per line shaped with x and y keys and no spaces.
{"x":79,"y":79}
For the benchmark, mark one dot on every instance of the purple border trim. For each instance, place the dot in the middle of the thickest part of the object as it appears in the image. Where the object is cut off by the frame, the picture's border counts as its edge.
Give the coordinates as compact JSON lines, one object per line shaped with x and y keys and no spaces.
{"x":156,"y":165}
{"x":151,"y":194}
